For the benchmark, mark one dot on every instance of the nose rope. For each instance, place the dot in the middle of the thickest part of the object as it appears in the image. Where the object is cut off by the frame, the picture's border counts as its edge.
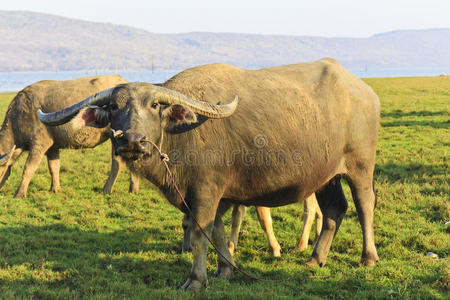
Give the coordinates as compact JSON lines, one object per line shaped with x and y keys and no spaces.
{"x":165,"y":158}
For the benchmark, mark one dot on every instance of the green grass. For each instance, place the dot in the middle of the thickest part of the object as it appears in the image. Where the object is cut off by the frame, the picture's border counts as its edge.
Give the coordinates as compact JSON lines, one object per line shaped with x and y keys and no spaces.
{"x":80,"y":243}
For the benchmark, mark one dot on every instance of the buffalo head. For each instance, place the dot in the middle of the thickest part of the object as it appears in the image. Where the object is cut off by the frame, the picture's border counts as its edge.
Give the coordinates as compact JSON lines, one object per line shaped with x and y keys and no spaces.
{"x":141,"y":111}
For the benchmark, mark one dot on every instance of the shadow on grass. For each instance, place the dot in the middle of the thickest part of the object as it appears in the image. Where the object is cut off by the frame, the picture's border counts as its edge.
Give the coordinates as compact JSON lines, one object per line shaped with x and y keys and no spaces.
{"x":94,"y":255}
{"x":398,"y":113}
{"x":394,"y":172}
{"x":411,"y":123}
{"x":145,"y":262}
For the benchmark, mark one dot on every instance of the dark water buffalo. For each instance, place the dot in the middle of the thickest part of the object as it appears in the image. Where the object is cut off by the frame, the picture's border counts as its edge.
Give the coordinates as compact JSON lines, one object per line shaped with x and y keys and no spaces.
{"x":311,"y":211}
{"x":22,"y":130}
{"x":298,"y":129}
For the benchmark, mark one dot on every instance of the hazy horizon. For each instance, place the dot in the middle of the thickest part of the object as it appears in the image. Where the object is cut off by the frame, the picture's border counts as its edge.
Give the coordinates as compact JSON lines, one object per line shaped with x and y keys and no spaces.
{"x":323,"y":18}
{"x":47,"y":42}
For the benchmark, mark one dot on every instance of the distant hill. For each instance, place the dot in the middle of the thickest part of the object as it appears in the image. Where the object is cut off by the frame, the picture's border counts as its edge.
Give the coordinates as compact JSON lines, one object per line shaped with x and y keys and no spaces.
{"x":40,"y":42}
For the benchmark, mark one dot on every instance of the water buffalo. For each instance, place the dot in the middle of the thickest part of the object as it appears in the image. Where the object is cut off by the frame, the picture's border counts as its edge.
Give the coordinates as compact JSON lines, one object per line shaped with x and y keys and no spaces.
{"x":298,"y":129}
{"x":22,"y":131}
{"x":311,"y":212}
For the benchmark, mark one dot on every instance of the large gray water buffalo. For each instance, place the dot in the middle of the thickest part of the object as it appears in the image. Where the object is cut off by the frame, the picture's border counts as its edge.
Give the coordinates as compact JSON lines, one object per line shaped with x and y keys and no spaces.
{"x":22,"y":130}
{"x":297,"y":129}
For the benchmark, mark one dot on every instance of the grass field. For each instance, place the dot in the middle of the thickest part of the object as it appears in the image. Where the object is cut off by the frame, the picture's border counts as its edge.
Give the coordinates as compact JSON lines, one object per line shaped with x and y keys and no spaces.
{"x":82,"y":244}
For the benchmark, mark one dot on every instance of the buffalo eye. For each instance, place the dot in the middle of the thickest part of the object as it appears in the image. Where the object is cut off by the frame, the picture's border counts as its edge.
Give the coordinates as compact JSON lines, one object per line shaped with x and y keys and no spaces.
{"x":154,"y":105}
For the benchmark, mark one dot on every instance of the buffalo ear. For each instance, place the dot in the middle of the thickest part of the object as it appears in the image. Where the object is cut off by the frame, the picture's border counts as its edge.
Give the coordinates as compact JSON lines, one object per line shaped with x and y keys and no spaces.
{"x":93,"y":117}
{"x":177,"y":118}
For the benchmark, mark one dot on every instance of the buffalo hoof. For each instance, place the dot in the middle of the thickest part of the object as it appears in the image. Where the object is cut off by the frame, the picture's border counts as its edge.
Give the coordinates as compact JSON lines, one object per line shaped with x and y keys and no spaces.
{"x":193,"y":284}
{"x":20,"y":195}
{"x":276,"y":252}
{"x":133,"y":190}
{"x":369,"y":261}
{"x":224,"y":272}
{"x":54,"y":190}
{"x":314,"y":262}
{"x":302,"y":246}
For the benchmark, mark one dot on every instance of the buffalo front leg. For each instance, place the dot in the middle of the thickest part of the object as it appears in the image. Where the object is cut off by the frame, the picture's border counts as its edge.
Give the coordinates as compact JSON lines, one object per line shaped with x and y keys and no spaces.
{"x":134,"y":183}
{"x":117,"y":165}
{"x":54,"y":167}
{"x":265,"y":220}
{"x":236,"y":220}
{"x":226,"y":264}
{"x":186,"y":223}
{"x":205,"y":214}
{"x":199,"y":246}
{"x":34,"y":159}
{"x":333,"y":204}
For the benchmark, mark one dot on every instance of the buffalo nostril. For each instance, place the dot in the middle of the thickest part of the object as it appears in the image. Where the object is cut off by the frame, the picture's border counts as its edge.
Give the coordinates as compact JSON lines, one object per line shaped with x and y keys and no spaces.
{"x":136,"y":141}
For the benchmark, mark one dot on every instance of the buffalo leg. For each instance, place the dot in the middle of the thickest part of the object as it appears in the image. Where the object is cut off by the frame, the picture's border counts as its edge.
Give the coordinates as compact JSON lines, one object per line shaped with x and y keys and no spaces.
{"x":224,"y":269}
{"x":54,"y":166}
{"x":205,"y":213}
{"x":236,"y":221}
{"x":117,"y":165}
{"x":186,"y":223}
{"x":34,"y":159}
{"x":311,"y":211}
{"x":5,"y":176}
{"x":364,"y":197}
{"x":333,"y":204}
{"x":319,"y":221}
{"x":14,"y":157}
{"x":134,"y":183}
{"x":265,"y":220}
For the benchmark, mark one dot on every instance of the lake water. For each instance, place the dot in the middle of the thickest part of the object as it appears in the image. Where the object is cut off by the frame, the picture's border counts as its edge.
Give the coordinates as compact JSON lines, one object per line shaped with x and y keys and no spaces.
{"x":15,"y":81}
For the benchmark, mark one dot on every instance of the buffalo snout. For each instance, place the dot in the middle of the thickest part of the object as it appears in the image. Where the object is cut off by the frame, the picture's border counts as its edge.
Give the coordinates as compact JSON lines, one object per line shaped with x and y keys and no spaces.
{"x":132,"y":144}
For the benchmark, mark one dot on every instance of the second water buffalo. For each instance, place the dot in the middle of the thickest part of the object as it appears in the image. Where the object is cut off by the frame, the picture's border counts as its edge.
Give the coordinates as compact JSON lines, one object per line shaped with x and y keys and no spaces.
{"x":22,"y":131}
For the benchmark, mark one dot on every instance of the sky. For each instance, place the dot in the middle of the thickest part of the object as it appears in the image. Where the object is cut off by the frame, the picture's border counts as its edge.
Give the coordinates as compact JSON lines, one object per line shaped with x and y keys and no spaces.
{"x":327,"y":18}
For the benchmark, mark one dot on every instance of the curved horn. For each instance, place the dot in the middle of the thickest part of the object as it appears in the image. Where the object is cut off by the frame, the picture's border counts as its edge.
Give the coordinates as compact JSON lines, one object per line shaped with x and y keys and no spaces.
{"x":5,"y":158}
{"x":213,"y":111}
{"x":66,"y":114}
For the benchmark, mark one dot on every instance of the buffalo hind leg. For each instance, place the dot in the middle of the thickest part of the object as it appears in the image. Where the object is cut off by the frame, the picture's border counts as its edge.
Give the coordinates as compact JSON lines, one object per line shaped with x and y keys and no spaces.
{"x":333,"y":204}
{"x":363,"y":194}
{"x":319,"y":222}
{"x":310,"y":208}
{"x":54,"y":167}
{"x":224,"y":269}
{"x":265,"y":220}
{"x":5,"y":176}
{"x":236,"y":220}
{"x":31,"y":165}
